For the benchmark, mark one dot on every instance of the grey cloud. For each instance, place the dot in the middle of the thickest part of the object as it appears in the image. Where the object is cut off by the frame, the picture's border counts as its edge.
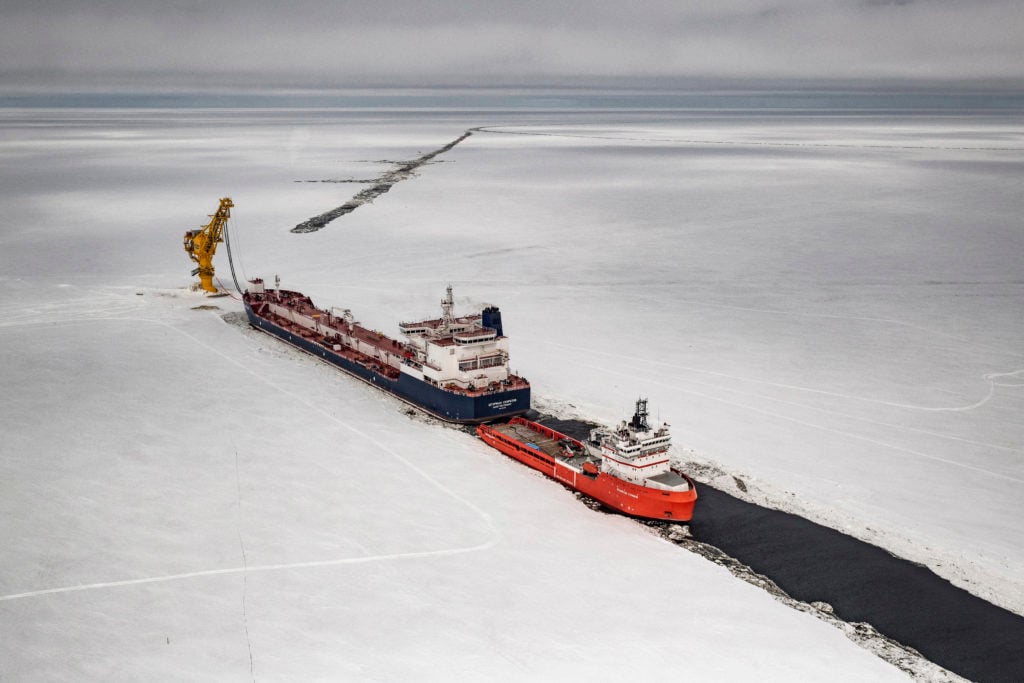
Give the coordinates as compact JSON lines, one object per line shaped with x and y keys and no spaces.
{"x":343,"y":43}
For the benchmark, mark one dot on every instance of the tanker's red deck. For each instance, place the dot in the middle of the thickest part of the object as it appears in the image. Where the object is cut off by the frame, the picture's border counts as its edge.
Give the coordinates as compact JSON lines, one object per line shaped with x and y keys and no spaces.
{"x":373,"y":349}
{"x":670,"y":495}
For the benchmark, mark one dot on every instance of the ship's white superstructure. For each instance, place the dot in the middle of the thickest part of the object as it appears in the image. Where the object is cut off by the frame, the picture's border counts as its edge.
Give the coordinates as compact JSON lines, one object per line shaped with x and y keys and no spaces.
{"x":468,"y":351}
{"x":637,"y":453}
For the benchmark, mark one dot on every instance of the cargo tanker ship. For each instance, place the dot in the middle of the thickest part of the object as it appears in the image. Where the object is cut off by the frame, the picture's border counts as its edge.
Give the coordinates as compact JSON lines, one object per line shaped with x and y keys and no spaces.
{"x":626,"y":468}
{"x":455,"y":368}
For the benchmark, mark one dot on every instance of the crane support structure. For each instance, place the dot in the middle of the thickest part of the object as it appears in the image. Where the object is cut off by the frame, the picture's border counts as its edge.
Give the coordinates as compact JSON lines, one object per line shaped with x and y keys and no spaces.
{"x":201,"y":244}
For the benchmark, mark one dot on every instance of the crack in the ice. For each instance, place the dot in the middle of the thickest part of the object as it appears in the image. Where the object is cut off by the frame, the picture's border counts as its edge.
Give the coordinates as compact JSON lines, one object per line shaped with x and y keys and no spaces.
{"x":341,"y":180}
{"x":406,"y":169}
{"x":495,"y":534}
{"x":402,"y":171}
{"x":245,"y":565}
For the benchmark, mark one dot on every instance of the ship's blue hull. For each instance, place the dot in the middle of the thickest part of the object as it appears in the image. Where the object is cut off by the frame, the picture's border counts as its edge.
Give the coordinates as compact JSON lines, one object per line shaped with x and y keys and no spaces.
{"x":446,"y":405}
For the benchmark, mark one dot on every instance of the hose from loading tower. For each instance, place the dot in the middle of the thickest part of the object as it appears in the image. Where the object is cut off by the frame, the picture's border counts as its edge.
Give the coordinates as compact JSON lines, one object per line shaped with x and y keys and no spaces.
{"x":231,"y":262}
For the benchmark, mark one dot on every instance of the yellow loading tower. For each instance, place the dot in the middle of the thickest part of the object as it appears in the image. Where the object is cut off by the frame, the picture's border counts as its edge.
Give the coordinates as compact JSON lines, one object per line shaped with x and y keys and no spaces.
{"x":202,"y":244}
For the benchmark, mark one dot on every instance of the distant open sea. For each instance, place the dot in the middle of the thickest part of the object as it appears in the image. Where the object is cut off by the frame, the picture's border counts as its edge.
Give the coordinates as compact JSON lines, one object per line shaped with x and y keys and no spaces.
{"x":543,"y":99}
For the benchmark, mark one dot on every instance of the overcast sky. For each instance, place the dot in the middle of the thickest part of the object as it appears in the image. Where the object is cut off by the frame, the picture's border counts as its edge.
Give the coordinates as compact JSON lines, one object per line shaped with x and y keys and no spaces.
{"x":305,"y":43}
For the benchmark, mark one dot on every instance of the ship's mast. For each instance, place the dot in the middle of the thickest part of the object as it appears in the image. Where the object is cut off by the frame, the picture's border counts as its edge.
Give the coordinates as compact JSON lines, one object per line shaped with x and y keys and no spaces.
{"x":447,"y":304}
{"x":639,"y":421}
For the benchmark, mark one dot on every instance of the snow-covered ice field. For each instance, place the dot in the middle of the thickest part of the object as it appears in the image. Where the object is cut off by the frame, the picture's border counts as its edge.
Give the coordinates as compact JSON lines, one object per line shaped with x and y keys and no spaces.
{"x":830,"y":308}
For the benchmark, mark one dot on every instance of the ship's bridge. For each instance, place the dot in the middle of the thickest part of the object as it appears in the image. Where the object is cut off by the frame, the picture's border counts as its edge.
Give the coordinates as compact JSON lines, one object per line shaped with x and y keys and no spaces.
{"x":476,"y":336}
{"x":440,"y":326}
{"x":414,"y":328}
{"x":467,"y":351}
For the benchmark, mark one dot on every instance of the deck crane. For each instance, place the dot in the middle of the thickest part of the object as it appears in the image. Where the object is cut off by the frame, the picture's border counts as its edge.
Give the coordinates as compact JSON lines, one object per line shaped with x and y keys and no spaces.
{"x":201,"y":244}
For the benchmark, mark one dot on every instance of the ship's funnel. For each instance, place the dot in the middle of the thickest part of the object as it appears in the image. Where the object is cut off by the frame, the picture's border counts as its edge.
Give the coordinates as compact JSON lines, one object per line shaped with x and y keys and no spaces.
{"x":491,"y":317}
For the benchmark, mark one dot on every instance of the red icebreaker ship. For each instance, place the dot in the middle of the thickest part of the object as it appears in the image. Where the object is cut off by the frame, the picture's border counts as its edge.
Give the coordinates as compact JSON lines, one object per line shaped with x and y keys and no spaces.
{"x":626,"y":468}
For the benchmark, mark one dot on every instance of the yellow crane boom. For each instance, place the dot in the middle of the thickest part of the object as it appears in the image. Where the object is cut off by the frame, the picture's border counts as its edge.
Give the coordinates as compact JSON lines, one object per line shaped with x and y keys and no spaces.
{"x":201,"y":244}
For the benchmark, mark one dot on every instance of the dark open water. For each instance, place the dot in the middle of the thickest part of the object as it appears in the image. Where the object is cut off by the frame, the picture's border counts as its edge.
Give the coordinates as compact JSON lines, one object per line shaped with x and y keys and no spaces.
{"x":905,"y":601}
{"x":864,"y":583}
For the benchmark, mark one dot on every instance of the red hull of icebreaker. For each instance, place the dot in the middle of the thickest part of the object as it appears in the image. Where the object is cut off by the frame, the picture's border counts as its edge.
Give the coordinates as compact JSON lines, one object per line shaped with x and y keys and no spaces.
{"x":632,"y":499}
